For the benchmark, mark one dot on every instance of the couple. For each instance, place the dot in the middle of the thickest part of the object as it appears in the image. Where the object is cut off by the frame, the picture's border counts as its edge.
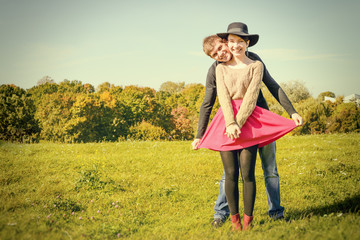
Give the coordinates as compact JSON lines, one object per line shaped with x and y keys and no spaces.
{"x":242,"y":125}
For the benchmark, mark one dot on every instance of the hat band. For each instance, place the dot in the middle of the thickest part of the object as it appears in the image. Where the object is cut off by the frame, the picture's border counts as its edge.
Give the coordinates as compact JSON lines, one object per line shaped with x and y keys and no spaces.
{"x":236,"y":30}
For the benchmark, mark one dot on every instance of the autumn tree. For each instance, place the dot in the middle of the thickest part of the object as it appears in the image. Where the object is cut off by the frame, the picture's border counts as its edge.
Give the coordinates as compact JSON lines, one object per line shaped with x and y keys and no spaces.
{"x":182,"y":124}
{"x":74,"y":112}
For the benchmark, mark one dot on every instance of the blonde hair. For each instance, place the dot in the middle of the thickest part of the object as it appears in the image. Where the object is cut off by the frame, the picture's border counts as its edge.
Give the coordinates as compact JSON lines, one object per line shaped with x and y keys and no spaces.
{"x":209,"y":43}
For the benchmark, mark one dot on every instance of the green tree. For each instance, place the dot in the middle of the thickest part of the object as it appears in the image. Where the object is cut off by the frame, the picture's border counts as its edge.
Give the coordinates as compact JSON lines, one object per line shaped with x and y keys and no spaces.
{"x":37,"y":92}
{"x":322,"y":95}
{"x":44,"y":80}
{"x":311,"y":112}
{"x":53,"y":113}
{"x":91,"y":118}
{"x":89,"y":88}
{"x":191,"y":94}
{"x":17,"y":115}
{"x":115,"y":90}
{"x":296,"y":90}
{"x":103,"y":87}
{"x":141,"y":101}
{"x":73,"y":86}
{"x":273,"y":104}
{"x":162,"y":115}
{"x":172,"y":87}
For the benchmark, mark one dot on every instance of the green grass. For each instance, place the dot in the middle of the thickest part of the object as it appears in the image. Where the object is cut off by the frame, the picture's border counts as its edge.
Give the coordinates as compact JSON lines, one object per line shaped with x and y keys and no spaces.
{"x":164,"y":190}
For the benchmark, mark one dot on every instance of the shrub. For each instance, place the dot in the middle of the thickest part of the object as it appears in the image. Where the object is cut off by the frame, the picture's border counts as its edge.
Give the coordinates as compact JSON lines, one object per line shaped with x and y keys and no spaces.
{"x":344,"y":119}
{"x":146,"y":131}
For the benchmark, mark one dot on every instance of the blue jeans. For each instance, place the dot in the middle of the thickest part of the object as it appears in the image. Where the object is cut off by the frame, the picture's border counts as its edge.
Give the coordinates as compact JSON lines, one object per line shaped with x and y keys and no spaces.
{"x":271,"y":176}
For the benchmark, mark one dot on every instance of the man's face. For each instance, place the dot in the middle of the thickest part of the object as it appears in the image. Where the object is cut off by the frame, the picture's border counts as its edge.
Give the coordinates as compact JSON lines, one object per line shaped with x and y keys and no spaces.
{"x":221,"y":52}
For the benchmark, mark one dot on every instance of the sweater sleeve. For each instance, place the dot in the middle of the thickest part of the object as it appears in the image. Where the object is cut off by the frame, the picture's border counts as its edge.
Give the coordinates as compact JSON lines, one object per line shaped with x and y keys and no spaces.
{"x":224,"y":96}
{"x":251,"y":95}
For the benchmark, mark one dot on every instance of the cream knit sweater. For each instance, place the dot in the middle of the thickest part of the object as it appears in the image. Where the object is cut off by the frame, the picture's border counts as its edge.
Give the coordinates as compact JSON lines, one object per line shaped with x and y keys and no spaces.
{"x":233,"y":84}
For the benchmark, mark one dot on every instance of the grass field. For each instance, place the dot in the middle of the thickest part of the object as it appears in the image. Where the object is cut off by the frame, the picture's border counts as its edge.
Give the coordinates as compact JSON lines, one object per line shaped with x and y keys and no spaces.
{"x":164,"y":190}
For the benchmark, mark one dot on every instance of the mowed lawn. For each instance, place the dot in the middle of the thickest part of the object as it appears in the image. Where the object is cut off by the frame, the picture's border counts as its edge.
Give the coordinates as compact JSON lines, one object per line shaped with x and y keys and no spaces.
{"x":165,"y":190}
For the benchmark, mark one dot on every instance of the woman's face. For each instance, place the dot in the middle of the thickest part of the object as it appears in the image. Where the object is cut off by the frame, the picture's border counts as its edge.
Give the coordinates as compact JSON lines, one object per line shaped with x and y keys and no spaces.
{"x":237,"y":45}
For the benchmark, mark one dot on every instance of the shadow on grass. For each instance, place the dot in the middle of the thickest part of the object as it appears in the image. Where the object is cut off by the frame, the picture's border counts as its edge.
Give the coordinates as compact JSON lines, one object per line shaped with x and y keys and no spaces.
{"x":348,"y":205}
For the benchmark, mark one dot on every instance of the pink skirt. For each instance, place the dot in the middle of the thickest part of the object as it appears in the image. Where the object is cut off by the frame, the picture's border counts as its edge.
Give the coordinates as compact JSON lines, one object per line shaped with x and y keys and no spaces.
{"x":261,"y":128}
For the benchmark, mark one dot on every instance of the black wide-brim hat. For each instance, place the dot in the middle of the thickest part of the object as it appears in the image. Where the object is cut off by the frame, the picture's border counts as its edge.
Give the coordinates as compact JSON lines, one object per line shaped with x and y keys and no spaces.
{"x":240,"y":29}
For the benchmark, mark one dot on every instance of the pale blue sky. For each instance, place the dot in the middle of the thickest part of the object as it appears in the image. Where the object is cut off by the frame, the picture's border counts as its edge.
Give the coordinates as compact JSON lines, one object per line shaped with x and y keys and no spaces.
{"x":146,"y":43}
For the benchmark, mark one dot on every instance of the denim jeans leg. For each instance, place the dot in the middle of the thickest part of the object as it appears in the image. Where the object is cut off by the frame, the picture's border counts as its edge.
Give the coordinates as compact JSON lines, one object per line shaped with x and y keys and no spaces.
{"x":221,"y":206}
{"x":271,"y":176}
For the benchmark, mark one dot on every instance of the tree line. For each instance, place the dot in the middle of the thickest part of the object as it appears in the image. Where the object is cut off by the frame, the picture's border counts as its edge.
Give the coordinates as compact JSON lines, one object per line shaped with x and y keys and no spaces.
{"x":74,"y":112}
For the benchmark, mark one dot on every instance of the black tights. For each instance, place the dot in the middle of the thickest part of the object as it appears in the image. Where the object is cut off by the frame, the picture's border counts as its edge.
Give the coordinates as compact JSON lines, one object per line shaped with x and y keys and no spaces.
{"x":232,"y":160}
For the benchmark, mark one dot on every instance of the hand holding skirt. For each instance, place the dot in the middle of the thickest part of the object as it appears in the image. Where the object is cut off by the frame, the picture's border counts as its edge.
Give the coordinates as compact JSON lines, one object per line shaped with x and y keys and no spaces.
{"x":261,"y":128}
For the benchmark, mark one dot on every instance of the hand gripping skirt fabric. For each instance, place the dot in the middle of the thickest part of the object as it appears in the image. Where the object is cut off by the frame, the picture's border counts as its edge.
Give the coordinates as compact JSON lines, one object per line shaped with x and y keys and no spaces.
{"x":261,"y":128}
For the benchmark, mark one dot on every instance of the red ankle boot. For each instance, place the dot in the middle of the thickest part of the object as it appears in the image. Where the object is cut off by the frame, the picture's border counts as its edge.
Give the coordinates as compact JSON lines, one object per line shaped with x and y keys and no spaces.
{"x":236,"y":222}
{"x":247,"y":221}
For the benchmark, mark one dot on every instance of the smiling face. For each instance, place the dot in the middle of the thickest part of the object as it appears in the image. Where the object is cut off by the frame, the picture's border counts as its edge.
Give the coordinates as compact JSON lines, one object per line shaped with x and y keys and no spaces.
{"x":237,"y":45}
{"x":220,"y":52}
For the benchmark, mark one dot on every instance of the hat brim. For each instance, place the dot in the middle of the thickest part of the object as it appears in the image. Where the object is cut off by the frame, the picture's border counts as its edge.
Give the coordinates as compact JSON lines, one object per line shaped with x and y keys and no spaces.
{"x":254,"y":38}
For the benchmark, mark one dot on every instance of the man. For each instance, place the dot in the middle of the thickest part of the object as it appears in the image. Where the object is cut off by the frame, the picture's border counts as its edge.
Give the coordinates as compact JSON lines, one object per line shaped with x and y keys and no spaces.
{"x":217,"y":49}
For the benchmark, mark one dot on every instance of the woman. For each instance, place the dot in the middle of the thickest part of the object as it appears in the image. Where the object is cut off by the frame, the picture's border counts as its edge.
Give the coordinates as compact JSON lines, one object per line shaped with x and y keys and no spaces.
{"x":240,"y":127}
